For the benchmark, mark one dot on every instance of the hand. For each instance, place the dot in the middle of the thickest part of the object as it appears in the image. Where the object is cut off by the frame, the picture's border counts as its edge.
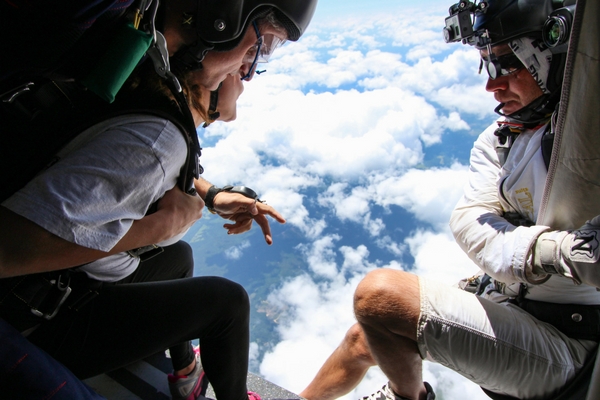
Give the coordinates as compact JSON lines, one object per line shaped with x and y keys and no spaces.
{"x":575,"y":255}
{"x":178,"y":211}
{"x":242,"y":210}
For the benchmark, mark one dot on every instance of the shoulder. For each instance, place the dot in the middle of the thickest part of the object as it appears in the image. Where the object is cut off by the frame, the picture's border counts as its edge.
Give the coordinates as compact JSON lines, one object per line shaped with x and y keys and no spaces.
{"x":488,"y":134}
{"x":156,"y":134}
{"x":487,"y":141}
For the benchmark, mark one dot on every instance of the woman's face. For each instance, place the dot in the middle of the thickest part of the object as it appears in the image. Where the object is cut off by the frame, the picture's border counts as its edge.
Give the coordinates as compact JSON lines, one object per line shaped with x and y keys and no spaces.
{"x":230,"y":91}
{"x":217,"y":65}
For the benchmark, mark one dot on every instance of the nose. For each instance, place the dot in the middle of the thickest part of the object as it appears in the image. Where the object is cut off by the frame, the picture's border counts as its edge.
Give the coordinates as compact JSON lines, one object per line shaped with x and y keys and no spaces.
{"x":247,"y":71}
{"x":494,"y":85}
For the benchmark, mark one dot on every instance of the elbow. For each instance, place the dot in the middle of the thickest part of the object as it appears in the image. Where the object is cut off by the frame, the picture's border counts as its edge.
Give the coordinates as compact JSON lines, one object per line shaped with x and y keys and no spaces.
{"x":454,"y":224}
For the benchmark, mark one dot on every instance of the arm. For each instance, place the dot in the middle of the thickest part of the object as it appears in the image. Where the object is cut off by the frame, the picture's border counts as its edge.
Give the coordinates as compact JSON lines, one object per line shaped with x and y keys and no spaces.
{"x":28,"y":248}
{"x":55,"y":222}
{"x":498,"y":247}
{"x":242,"y":210}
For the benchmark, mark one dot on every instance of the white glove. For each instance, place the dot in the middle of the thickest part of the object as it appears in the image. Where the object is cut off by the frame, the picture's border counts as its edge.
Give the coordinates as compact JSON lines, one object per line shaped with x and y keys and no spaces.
{"x":574,"y":255}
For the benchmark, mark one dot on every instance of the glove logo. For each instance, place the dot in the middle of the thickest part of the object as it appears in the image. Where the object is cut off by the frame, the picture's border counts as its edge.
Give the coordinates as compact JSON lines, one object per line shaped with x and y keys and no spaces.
{"x":585,"y":247}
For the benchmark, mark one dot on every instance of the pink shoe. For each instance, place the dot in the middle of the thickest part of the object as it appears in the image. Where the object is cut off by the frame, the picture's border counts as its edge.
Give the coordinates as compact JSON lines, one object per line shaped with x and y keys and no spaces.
{"x":253,"y":396}
{"x":189,"y":387}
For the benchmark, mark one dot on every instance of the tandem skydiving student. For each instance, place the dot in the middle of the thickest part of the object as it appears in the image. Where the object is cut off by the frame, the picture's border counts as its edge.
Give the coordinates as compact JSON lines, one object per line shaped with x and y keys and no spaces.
{"x":516,"y":330}
{"x":92,"y":207}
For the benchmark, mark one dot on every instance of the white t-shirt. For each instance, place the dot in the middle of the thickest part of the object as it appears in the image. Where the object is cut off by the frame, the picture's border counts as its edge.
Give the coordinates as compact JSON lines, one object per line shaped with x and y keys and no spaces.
{"x":93,"y":194}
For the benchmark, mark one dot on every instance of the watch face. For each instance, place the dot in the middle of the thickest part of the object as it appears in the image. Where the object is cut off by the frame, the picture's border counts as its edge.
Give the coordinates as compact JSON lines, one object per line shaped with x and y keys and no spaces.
{"x":245,"y":191}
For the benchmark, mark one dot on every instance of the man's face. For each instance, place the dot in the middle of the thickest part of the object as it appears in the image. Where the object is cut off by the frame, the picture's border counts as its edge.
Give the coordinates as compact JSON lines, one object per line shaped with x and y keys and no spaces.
{"x":516,"y":90}
{"x":216,"y":66}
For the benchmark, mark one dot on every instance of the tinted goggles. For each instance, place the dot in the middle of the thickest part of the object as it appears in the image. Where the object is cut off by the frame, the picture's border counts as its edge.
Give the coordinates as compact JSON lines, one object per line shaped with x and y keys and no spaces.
{"x":497,"y":66}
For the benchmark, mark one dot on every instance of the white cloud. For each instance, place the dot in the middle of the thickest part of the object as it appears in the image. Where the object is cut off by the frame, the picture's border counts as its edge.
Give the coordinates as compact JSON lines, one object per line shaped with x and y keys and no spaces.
{"x":289,"y":204}
{"x":353,"y":207}
{"x":429,"y":194}
{"x":321,"y":257}
{"x":236,"y":252}
{"x":438,"y":257}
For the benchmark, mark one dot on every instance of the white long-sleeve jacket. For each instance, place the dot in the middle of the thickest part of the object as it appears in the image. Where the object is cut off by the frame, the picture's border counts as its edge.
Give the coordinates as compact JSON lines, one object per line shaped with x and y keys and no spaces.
{"x":498,"y":247}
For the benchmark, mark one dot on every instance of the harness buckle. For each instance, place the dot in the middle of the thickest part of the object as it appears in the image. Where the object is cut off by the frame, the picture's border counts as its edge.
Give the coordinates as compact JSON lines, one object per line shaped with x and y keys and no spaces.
{"x":11,"y":95}
{"x":55,"y":298}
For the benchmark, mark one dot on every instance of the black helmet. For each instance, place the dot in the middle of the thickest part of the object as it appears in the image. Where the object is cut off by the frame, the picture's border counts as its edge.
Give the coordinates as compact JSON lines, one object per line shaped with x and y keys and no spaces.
{"x":221,"y":21}
{"x":509,"y":19}
{"x":220,"y":24}
{"x":497,"y":22}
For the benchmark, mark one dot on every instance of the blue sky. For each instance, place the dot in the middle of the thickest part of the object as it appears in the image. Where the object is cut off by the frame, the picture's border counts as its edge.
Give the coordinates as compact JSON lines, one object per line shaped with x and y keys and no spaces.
{"x":359,"y":134}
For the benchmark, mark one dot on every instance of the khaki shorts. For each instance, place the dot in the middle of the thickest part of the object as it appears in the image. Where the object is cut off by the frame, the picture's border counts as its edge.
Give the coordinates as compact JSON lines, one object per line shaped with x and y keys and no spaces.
{"x":498,"y":346}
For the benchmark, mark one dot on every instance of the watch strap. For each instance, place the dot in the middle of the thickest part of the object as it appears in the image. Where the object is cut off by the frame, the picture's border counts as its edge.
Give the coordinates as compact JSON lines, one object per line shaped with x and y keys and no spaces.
{"x":209,"y":199}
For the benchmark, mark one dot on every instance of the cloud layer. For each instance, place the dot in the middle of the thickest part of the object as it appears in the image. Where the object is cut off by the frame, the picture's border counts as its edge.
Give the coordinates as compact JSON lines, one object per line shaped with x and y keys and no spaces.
{"x":335,"y":135}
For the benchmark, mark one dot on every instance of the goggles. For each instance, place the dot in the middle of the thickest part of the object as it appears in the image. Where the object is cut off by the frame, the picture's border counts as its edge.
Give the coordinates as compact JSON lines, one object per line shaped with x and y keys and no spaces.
{"x":497,"y":66}
{"x":261,"y":51}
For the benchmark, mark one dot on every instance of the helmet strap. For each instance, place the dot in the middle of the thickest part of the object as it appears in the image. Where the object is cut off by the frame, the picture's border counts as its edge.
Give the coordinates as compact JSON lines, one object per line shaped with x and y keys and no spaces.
{"x":189,"y":58}
{"x":535,"y":113}
{"x":213,"y":114}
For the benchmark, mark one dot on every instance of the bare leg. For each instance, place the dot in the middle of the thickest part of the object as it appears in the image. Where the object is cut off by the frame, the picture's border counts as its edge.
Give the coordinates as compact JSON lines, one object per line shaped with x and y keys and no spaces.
{"x":343,"y":370}
{"x":387,"y":306}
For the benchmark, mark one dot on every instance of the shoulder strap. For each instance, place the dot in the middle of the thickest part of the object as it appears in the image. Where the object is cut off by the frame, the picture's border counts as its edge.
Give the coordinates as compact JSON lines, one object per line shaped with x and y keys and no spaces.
{"x":506,"y":137}
{"x":547,"y":144}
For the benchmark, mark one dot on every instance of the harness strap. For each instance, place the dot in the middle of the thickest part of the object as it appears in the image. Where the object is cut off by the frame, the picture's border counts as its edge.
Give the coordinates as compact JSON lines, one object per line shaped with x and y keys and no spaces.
{"x":507,"y":132}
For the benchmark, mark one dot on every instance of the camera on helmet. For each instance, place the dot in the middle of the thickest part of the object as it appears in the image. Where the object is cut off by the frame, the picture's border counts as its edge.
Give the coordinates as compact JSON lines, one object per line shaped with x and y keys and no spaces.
{"x":459,"y":25}
{"x":557,"y":28}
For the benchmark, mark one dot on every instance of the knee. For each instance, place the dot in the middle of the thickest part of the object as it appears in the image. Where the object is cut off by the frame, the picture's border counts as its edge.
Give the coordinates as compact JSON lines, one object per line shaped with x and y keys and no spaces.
{"x":237,"y":297}
{"x":383,"y":293}
{"x":371,"y":292}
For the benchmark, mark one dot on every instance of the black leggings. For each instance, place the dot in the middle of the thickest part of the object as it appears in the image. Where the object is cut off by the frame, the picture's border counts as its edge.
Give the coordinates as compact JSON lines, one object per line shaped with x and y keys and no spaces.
{"x":129,"y":321}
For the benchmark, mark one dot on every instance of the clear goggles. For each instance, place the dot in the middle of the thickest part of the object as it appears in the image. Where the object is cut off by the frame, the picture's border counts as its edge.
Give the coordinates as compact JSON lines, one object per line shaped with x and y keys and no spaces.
{"x":261,"y":51}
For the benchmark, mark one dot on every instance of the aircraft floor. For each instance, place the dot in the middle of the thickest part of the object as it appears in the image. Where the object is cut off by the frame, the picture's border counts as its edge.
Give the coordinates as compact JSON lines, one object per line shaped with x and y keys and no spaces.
{"x":146,"y":380}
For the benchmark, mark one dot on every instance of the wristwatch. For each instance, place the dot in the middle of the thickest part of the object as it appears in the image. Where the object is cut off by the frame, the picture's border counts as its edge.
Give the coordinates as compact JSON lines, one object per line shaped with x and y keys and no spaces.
{"x":209,"y":200}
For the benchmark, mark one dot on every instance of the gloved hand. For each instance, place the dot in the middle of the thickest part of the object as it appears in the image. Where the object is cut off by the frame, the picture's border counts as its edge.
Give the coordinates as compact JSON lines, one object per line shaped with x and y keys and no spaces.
{"x":574,"y":255}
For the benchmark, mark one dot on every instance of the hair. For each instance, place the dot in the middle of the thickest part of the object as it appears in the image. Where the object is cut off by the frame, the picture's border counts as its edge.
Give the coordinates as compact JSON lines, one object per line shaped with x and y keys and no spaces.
{"x":270,"y":18}
{"x":144,"y":81}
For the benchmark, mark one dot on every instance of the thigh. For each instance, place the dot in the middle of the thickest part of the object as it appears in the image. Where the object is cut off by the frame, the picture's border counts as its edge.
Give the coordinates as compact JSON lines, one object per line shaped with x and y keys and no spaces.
{"x":498,"y":346}
{"x":175,"y":262}
{"x":125,"y":323}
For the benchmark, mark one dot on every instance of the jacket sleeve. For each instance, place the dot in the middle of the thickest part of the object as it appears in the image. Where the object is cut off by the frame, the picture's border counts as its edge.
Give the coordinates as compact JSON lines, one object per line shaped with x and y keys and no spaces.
{"x":498,"y":247}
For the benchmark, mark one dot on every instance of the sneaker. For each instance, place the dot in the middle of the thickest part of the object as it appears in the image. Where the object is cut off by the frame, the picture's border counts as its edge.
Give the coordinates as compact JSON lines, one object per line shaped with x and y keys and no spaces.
{"x":253,"y":396}
{"x":189,"y":387}
{"x":386,"y":393}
